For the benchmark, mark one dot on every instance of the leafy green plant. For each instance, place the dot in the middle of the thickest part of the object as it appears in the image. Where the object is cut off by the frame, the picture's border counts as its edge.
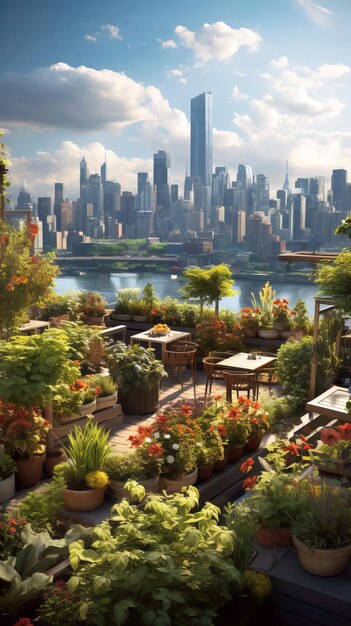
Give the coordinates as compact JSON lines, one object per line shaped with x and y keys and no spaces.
{"x":41,"y":508}
{"x":31,"y":366}
{"x":301,"y":321}
{"x":65,"y":401}
{"x":123,"y":467}
{"x":325,"y":520}
{"x":87,"y":450}
{"x":125,"y":298}
{"x":104,"y":384}
{"x":239,"y":520}
{"x":277,"y":502}
{"x":335,"y":280}
{"x":294,"y":367}
{"x":7,"y":466}
{"x":91,"y":303}
{"x":134,"y":367}
{"x":160,"y":565}
{"x":62,"y":304}
{"x":266,"y":297}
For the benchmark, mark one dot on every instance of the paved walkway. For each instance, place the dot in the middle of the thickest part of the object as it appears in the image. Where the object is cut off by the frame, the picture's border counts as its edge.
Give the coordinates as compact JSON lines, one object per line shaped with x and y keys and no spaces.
{"x":171,"y":390}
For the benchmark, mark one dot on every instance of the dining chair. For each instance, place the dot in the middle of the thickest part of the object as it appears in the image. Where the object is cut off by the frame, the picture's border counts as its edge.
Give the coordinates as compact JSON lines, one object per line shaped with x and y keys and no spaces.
{"x":182,"y":354}
{"x":211,"y":370}
{"x":240,"y":382}
{"x":267,"y":375}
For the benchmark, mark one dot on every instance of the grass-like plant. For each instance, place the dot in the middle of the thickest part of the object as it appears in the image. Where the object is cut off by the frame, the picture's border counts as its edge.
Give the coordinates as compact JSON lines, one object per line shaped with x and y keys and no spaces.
{"x":87,"y":450}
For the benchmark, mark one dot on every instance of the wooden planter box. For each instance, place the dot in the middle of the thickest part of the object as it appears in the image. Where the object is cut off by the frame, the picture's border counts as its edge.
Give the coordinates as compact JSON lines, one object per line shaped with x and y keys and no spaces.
{"x":106,"y":417}
{"x":139,"y":401}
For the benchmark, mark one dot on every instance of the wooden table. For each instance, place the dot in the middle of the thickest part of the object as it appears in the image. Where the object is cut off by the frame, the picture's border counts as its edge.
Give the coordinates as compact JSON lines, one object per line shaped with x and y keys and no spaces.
{"x":172,"y":336}
{"x":33,"y":327}
{"x":331,"y":403}
{"x":241,"y":362}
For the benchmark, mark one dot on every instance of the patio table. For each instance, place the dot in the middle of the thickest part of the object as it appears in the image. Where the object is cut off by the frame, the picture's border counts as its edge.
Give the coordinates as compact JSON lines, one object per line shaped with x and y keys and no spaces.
{"x":149,"y":338}
{"x":241,"y":361}
{"x":331,"y":403}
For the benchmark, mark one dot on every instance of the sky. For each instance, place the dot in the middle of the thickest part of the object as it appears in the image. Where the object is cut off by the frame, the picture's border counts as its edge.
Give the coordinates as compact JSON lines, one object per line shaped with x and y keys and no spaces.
{"x":78,"y":77}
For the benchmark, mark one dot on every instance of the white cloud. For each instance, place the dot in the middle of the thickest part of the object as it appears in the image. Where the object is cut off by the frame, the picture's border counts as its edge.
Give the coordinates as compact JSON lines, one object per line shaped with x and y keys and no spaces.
{"x":238,"y":95}
{"x":318,"y":14}
{"x":169,"y":43}
{"x":92,"y":38}
{"x":217,"y":41}
{"x":81,"y":99}
{"x":112,"y":31}
{"x":177,"y":73}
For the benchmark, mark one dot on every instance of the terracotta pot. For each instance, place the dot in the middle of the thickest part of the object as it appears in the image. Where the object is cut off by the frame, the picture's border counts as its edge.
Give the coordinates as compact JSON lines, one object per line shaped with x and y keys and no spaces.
{"x":52,"y":459}
{"x":7,"y":488}
{"x":236,"y":450}
{"x":29,"y":471}
{"x":250,"y":332}
{"x":139,"y":401}
{"x":87,"y":409}
{"x":93,"y":320}
{"x":86,"y":500}
{"x":270,"y":333}
{"x":277,"y":537}
{"x":173,"y":485}
{"x":322,"y":562}
{"x":204,"y":472}
{"x":106,"y":401}
{"x":222,"y":463}
{"x":253,"y":442}
{"x":117,"y":487}
{"x":282,"y":326}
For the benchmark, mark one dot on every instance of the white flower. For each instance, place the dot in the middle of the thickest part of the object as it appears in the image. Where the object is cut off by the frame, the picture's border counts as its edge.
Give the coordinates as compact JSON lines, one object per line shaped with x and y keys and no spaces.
{"x":148,"y":440}
{"x":175,"y":446}
{"x":156,"y":434}
{"x":170,"y":458}
{"x":199,"y":444}
{"x":167,"y":436}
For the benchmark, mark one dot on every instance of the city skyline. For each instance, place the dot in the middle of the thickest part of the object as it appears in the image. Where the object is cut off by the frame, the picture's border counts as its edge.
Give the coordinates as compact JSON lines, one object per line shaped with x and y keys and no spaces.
{"x":82,"y":79}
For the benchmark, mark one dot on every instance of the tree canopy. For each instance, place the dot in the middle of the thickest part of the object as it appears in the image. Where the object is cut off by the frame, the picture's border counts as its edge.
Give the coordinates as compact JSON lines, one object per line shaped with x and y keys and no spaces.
{"x":208,"y":285}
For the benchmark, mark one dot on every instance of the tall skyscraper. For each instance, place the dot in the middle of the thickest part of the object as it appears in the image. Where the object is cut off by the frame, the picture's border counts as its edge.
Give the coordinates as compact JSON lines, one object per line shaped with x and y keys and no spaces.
{"x":161,"y":167}
{"x":286,"y":184}
{"x":24,"y":200}
{"x":201,"y":138}
{"x":95,"y":195}
{"x":244,"y":177}
{"x":338,"y":184}
{"x":58,"y":199}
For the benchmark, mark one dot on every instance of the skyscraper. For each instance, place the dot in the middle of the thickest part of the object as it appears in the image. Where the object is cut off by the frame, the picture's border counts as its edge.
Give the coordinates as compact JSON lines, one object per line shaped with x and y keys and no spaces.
{"x":338,"y":184}
{"x":161,"y":167}
{"x":286,"y":184}
{"x":58,"y":199}
{"x":201,"y":138}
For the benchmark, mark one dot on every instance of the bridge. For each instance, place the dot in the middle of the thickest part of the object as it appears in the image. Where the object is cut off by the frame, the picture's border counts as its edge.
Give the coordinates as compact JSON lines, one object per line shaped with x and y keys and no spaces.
{"x":68,"y":261}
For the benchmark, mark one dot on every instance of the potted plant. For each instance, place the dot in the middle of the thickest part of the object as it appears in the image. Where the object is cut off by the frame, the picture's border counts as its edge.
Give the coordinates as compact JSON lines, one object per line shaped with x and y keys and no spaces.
{"x":249,"y":320}
{"x":322,"y":531}
{"x":238,"y":430}
{"x":125,"y":298}
{"x":87,"y":451}
{"x":87,"y":396}
{"x":274,"y":506}
{"x":143,"y":467}
{"x":7,"y":475}
{"x":106,"y":391}
{"x":23,"y":434}
{"x":266,"y":297}
{"x":210,"y":453}
{"x":91,"y":308}
{"x":139,"y":310}
{"x":252,"y":417}
{"x":137,"y":373}
{"x":282,"y":314}
{"x":176,"y":442}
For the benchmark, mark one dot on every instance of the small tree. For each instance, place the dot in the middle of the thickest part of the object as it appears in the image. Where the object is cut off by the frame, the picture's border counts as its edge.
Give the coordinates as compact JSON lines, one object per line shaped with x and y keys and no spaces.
{"x":209,"y":285}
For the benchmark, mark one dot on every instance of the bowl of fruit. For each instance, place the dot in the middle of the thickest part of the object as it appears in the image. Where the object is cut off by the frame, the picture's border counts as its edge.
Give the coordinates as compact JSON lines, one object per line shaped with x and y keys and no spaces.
{"x":160,"y":330}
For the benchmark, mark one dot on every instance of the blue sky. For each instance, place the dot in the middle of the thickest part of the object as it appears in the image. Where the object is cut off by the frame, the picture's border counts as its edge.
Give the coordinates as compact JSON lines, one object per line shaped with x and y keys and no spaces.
{"x":80,"y":76}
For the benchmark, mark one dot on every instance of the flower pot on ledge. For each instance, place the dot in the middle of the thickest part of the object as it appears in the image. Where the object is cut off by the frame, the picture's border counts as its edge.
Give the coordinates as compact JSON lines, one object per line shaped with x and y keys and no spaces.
{"x":268,"y":333}
{"x":173,"y":485}
{"x":139,"y":401}
{"x":93,"y":320}
{"x":250,"y":332}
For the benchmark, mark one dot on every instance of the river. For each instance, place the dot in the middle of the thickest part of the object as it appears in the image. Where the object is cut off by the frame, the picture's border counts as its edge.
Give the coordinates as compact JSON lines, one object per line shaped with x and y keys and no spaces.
{"x":107,"y":284}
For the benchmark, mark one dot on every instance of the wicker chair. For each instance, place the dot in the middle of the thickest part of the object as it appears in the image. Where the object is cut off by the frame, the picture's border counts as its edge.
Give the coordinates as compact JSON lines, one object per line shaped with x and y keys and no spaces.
{"x":182,"y":355}
{"x":240,"y":382}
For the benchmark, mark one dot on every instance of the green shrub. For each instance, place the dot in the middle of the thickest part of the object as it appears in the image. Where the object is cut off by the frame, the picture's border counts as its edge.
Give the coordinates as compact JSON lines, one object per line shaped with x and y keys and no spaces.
{"x":123,"y":467}
{"x":294,"y":368}
{"x":40,"y":508}
{"x":335,"y":280}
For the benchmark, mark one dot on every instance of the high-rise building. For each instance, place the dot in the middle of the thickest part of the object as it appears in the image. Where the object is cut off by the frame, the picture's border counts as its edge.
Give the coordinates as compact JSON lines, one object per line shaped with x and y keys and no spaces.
{"x":220,"y":182}
{"x":95,"y":195}
{"x":201,"y":138}
{"x":44,"y":211}
{"x":286,"y":184}
{"x":161,"y":167}
{"x":338,"y":184}
{"x":244,"y":178}
{"x":58,"y":199}
{"x":24,"y":200}
{"x":83,"y":182}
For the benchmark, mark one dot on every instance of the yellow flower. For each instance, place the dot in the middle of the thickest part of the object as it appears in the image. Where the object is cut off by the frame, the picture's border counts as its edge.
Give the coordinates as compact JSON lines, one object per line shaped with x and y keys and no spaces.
{"x":95,"y":480}
{"x":257,"y":584}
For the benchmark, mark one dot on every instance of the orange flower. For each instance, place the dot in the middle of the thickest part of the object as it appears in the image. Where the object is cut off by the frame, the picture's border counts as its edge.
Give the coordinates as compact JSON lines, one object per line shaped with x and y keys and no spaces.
{"x":247,"y":465}
{"x":155,"y":450}
{"x":330,"y":436}
{"x":249,"y":482}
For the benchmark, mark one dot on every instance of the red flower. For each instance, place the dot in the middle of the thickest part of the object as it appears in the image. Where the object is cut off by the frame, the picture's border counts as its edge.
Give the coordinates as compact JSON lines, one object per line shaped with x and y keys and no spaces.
{"x":4,"y":240}
{"x":293,"y":448}
{"x":186,"y":409}
{"x":24,"y":621}
{"x":247,"y":466}
{"x":222,"y":431}
{"x":345,"y":431}
{"x":330,"y":436}
{"x":162,"y":419}
{"x":249,"y":482}
{"x":12,"y":530}
{"x":155,"y":450}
